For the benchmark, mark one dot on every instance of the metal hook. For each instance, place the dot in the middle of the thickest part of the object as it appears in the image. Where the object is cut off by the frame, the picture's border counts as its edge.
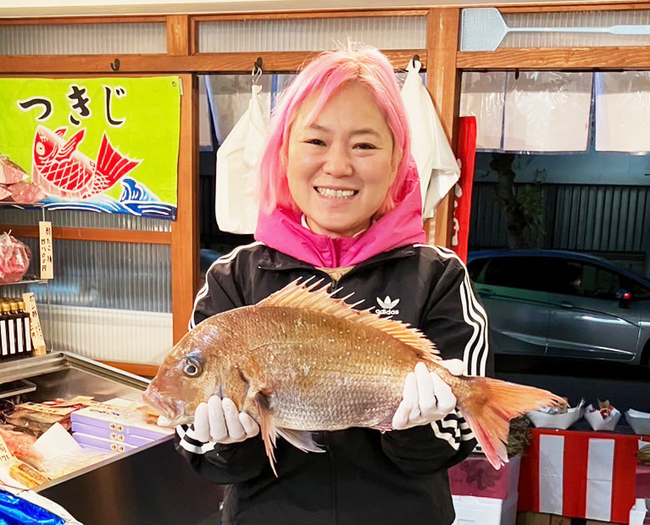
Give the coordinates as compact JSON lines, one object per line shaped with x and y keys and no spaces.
{"x":115,"y":65}
{"x":257,"y":70}
{"x":416,"y":58}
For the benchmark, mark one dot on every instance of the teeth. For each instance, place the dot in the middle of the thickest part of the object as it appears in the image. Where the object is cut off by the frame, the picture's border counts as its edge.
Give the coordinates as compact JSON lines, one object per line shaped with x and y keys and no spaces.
{"x":336,"y":194}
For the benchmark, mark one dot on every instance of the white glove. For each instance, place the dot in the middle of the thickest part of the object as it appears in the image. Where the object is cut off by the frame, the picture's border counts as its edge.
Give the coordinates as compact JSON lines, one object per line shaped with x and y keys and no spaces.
{"x":219,"y":421}
{"x":427,"y":398}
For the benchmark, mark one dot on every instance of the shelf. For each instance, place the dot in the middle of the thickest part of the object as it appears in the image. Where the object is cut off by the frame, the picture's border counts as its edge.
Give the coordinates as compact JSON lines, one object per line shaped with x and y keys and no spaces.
{"x":22,"y":205}
{"x":29,"y":280}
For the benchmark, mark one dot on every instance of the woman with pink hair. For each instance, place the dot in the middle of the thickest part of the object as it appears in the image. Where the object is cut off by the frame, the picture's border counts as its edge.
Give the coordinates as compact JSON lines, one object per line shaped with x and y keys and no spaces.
{"x":340,"y":199}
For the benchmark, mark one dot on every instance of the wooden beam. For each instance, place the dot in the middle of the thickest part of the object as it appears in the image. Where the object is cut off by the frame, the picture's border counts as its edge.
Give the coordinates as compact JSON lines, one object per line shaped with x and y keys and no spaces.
{"x":302,"y":15}
{"x":158,"y":63}
{"x":65,"y":20}
{"x":562,"y":58}
{"x":178,"y":35}
{"x":134,"y":368}
{"x":443,"y":82}
{"x":92,"y":234}
{"x":185,"y":230}
{"x":572,"y":7}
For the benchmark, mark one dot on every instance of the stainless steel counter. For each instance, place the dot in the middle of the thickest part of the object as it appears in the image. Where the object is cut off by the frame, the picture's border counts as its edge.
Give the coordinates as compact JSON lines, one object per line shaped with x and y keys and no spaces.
{"x":149,"y":485}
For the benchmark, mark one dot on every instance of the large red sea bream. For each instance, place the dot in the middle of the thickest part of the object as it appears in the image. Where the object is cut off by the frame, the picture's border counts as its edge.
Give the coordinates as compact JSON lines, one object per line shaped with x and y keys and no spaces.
{"x":301,"y":361}
{"x":62,"y":170}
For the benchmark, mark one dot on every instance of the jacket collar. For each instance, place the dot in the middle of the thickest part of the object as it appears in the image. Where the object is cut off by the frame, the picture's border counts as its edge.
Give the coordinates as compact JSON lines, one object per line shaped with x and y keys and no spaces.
{"x":283,"y":231}
{"x":275,"y":260}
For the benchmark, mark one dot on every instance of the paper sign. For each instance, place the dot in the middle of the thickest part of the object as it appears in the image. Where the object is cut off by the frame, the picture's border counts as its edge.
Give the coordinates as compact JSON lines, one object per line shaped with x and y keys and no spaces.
{"x":55,"y":442}
{"x":45,"y":245}
{"x":35,"y":324}
{"x":44,"y":409}
{"x":5,"y":455}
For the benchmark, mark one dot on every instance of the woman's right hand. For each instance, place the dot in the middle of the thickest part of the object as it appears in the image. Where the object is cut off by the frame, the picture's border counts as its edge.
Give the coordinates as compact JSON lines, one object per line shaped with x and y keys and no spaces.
{"x":219,"y":421}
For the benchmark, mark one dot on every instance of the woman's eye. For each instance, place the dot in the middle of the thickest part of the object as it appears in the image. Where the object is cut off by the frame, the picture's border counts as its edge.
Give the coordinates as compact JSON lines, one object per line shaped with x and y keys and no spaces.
{"x":365,"y":145}
{"x":315,"y":142}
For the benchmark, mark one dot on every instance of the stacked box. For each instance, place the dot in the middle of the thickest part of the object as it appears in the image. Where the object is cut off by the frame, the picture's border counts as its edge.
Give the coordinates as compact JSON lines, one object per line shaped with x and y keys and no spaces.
{"x":116,"y":429}
{"x":483,"y":495}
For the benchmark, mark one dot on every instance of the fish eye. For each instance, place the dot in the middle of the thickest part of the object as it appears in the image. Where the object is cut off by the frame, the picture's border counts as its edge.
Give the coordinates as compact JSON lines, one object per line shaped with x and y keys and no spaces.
{"x":40,"y":149}
{"x":192,"y":367}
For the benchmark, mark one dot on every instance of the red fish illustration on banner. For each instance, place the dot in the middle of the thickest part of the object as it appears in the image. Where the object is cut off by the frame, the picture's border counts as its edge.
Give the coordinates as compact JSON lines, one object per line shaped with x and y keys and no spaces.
{"x":62,"y":170}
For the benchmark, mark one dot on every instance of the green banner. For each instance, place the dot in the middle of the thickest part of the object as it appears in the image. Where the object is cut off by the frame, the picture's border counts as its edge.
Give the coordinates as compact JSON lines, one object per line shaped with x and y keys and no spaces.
{"x":101,"y":144}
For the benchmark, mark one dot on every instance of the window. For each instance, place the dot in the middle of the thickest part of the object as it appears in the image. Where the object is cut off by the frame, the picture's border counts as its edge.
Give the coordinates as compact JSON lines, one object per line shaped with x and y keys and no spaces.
{"x":526,"y":273}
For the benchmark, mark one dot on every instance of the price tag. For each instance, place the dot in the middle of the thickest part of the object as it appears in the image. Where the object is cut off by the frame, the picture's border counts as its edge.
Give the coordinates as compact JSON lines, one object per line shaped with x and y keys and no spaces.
{"x":38,"y":342}
{"x":5,"y":455}
{"x":45,"y":246}
{"x":44,"y":409}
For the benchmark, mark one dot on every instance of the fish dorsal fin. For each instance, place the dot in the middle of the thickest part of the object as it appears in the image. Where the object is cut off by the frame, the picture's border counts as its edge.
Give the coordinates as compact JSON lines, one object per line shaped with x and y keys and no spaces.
{"x":299,"y":295}
{"x":61,"y":131}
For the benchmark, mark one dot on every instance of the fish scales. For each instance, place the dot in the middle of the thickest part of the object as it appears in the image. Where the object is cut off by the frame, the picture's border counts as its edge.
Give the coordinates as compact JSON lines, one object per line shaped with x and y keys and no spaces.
{"x":302,"y":361}
{"x":323,"y":372}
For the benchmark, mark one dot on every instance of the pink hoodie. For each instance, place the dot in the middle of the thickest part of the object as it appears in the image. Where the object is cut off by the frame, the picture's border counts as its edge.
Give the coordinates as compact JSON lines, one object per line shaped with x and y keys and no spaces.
{"x":283,"y":231}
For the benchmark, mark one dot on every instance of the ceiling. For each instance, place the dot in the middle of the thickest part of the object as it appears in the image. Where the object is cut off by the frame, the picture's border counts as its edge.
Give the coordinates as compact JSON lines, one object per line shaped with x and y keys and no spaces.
{"x":40,"y":8}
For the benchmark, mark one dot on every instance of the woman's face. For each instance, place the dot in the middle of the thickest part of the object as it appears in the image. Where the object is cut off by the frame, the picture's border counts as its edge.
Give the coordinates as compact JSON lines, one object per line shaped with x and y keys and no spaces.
{"x":341,"y":166}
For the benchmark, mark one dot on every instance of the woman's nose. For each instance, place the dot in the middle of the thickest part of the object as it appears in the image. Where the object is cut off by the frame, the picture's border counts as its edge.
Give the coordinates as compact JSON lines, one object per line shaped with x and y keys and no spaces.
{"x":338,"y":162}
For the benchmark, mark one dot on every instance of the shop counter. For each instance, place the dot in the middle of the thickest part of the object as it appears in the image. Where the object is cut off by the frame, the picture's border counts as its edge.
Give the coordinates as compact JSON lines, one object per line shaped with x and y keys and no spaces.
{"x":151,"y":484}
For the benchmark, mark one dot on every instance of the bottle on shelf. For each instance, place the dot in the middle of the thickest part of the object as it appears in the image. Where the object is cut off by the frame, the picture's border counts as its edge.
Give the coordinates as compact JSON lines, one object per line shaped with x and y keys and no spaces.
{"x":4,"y":330}
{"x":27,"y":331}
{"x":12,"y":321}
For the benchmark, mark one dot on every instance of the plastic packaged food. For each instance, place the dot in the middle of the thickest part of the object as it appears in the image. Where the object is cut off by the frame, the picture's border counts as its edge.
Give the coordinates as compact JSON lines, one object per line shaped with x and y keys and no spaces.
{"x":14,"y":258}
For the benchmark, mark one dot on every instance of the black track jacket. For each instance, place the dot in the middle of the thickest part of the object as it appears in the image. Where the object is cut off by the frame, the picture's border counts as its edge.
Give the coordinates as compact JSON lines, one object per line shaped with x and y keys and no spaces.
{"x":365,"y":476}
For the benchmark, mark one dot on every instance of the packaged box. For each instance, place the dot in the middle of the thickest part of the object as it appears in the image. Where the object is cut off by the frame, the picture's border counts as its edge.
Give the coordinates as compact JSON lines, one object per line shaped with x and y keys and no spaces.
{"x":639,"y":421}
{"x":474,"y":476}
{"x":121,"y":420}
{"x":98,"y":443}
{"x":111,"y":435}
{"x":639,"y":514}
{"x":473,"y":510}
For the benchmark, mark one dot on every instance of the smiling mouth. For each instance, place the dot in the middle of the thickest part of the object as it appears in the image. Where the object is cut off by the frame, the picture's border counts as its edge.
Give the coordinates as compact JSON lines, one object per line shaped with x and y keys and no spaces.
{"x":331,"y":193}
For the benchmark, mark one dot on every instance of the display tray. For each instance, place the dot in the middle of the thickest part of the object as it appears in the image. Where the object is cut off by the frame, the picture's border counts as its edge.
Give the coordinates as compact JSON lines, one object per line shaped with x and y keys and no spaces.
{"x":150,"y":484}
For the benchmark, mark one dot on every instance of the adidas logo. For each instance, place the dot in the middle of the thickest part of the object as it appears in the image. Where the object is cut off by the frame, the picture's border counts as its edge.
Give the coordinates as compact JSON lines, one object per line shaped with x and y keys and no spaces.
{"x":387,"y":306}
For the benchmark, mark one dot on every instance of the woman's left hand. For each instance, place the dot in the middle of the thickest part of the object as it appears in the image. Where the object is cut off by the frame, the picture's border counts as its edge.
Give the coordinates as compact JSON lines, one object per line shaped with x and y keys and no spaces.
{"x":427,"y":398}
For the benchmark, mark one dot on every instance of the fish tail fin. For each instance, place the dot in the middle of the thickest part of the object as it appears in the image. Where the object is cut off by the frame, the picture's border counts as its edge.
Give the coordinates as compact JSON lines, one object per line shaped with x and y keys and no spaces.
{"x":267,"y":428}
{"x":111,"y":166}
{"x":491,"y":405}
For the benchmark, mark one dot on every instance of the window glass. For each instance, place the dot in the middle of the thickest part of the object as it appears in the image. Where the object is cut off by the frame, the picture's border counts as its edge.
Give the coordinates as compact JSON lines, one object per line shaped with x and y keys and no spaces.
{"x":637,"y":290}
{"x":475,"y":269}
{"x":515,"y":272}
{"x":567,"y":276}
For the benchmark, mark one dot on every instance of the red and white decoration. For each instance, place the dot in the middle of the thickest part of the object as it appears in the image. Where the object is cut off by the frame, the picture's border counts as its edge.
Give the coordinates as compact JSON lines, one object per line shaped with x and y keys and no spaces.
{"x":463,"y":188}
{"x":579,"y":475}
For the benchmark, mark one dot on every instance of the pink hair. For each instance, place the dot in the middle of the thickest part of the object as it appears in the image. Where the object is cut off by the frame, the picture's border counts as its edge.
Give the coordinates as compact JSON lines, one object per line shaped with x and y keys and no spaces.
{"x":327,"y":74}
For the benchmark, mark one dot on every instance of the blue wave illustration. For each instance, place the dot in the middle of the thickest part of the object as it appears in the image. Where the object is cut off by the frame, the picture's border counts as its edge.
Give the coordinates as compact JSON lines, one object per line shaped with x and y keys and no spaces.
{"x":136,"y":199}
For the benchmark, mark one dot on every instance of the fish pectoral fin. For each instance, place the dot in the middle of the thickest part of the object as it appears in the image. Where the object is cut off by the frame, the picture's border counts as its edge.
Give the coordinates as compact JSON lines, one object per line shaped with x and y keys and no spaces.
{"x":384,"y":426}
{"x":61,"y":131}
{"x":72,"y":143}
{"x":267,"y":427}
{"x":301,"y":439}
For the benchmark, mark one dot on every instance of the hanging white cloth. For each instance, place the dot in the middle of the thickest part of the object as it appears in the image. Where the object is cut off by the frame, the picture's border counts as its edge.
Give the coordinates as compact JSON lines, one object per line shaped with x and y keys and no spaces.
{"x":435,"y":160}
{"x":235,"y":206}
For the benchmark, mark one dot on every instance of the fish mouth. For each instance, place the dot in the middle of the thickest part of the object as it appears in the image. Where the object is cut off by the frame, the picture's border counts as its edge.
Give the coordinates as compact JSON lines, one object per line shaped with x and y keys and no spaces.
{"x":173,"y":410}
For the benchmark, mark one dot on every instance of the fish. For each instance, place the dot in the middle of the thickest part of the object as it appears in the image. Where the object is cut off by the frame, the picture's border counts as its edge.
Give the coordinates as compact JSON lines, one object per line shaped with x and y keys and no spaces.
{"x":10,"y":172}
{"x":302,"y":360}
{"x":60,"y":169}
